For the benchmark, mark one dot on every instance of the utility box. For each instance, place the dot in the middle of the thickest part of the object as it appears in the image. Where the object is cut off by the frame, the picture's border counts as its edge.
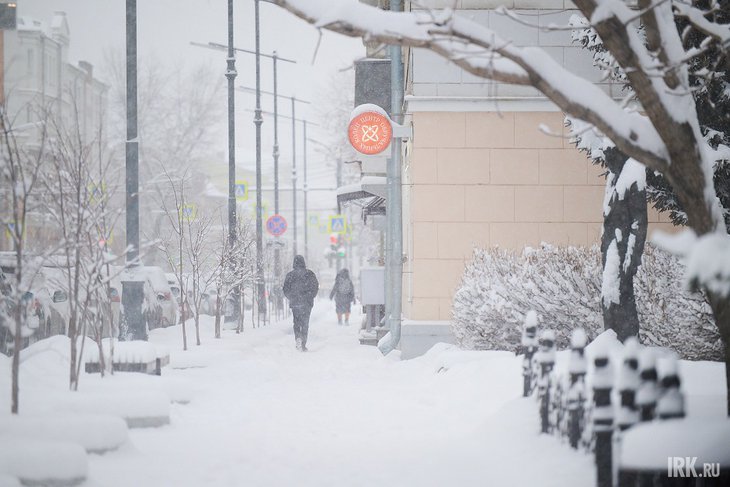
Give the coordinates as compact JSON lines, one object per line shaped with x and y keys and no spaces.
{"x":372,"y":285}
{"x":372,"y":82}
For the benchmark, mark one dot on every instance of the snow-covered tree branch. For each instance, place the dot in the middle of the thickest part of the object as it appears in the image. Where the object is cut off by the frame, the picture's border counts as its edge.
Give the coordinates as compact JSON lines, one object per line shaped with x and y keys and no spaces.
{"x":666,"y":135}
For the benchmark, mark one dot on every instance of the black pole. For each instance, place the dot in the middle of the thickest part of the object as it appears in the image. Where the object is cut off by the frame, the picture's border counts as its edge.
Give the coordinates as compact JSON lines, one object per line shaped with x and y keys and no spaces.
{"x":258,"y":120}
{"x":231,"y":76}
{"x":294,"y":170}
{"x":133,"y":327}
{"x":279,"y":302}
{"x":132,"y":144}
{"x":304,"y":174}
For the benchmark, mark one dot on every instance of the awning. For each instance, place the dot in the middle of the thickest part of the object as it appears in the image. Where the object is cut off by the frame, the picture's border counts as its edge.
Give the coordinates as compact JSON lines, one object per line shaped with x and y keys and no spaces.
{"x":368,"y":187}
{"x":375,"y":206}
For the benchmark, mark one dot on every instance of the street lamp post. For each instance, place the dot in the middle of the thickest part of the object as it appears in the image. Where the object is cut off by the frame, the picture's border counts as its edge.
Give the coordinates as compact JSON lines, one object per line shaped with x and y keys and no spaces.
{"x":132,"y":291}
{"x":258,"y":120}
{"x":304,"y":173}
{"x":231,"y":76}
{"x":294,"y":170}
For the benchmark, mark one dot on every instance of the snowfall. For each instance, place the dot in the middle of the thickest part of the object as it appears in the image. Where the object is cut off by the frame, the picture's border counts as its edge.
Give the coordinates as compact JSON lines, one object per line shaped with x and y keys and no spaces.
{"x":249,"y":409}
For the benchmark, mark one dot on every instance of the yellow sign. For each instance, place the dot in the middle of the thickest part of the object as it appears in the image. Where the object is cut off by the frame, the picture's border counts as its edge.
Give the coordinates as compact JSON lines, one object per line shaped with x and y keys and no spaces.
{"x":189,"y":211}
{"x":241,"y":190}
{"x":337,"y":224}
{"x":96,"y":192}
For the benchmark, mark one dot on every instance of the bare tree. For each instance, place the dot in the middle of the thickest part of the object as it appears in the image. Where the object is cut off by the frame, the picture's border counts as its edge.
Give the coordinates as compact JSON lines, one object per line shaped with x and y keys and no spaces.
{"x":21,"y":167}
{"x":178,"y":212}
{"x":77,"y":187}
{"x":200,"y":259}
{"x":665,"y":137}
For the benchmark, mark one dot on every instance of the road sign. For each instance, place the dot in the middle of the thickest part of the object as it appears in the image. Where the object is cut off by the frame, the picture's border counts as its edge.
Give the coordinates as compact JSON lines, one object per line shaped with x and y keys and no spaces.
{"x":276,"y":225}
{"x":370,"y":132}
{"x":189,"y":211}
{"x":313,"y":220}
{"x":240,"y":189}
{"x":337,"y":224}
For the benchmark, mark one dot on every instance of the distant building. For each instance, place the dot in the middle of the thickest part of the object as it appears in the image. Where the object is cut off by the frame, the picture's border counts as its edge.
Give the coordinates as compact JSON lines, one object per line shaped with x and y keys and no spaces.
{"x":38,"y":77}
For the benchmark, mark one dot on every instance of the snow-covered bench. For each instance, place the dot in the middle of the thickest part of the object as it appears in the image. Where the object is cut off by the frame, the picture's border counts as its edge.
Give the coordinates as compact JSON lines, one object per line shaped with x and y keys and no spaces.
{"x":134,"y":356}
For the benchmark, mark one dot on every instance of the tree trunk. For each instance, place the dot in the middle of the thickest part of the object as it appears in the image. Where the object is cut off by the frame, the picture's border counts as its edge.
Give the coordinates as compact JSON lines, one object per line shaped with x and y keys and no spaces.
{"x":218,"y":315}
{"x":721,"y":309}
{"x":17,"y":345}
{"x":624,"y":234}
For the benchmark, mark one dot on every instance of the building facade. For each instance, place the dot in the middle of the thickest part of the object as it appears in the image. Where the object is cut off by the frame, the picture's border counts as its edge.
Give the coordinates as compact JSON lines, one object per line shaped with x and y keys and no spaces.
{"x":39,"y":83}
{"x":492,"y":164}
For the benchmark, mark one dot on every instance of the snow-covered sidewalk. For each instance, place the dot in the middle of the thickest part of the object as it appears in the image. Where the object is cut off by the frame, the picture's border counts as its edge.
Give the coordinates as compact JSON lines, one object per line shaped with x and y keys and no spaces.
{"x":251,"y":410}
{"x":264,"y":414}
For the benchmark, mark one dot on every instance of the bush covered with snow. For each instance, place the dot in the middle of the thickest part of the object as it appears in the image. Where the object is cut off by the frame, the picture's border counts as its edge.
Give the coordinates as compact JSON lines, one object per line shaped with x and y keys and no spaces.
{"x":563,"y":284}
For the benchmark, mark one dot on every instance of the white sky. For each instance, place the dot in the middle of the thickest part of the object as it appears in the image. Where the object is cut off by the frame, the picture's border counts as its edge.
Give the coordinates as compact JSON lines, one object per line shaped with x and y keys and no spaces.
{"x":166,"y":28}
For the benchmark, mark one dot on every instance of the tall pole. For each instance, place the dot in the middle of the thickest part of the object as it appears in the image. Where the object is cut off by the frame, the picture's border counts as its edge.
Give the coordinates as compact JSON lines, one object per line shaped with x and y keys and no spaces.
{"x":304,"y":174}
{"x":258,"y":120}
{"x":277,"y":251}
{"x":294,"y":170}
{"x":231,"y":76}
{"x":132,"y":144}
{"x":393,"y":202}
{"x":134,"y":327}
{"x":276,"y":139}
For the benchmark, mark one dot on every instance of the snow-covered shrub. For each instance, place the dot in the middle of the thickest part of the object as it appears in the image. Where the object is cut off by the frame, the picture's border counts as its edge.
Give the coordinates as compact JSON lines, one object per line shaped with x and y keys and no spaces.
{"x":563,"y":285}
{"x":670,"y":315}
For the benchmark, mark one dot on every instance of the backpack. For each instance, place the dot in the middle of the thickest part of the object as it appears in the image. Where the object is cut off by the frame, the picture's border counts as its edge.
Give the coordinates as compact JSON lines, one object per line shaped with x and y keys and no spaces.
{"x":344,"y":287}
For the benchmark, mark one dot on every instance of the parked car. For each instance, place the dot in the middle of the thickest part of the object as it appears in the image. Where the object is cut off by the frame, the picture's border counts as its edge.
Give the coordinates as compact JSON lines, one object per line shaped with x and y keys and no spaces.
{"x":42,"y":304}
{"x":55,"y":284}
{"x":165,"y":298}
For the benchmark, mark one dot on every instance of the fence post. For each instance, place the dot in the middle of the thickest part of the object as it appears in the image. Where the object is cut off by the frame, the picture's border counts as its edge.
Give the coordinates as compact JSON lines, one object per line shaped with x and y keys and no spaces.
{"x":603,"y":417}
{"x":646,"y":396}
{"x":576,"y":390}
{"x":628,"y":383}
{"x":529,"y":347}
{"x":628,"y":414}
{"x":546,"y":359}
{"x":671,"y":402}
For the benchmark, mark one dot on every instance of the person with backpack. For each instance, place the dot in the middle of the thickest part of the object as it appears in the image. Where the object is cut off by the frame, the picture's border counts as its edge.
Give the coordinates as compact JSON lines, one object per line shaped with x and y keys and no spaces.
{"x":343,"y":293}
{"x":300,"y":288}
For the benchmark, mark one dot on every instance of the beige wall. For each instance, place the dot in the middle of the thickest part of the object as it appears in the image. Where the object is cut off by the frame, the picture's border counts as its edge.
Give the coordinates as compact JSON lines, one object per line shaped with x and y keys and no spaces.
{"x":488,"y":179}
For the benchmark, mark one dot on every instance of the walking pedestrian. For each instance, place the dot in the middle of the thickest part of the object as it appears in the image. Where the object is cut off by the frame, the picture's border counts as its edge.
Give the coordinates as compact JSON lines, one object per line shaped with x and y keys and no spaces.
{"x":343,"y":293}
{"x":300,"y":288}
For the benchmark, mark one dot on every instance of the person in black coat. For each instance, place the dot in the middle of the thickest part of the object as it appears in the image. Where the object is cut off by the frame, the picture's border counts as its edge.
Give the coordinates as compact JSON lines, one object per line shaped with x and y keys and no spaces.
{"x":343,"y":293}
{"x":300,"y":288}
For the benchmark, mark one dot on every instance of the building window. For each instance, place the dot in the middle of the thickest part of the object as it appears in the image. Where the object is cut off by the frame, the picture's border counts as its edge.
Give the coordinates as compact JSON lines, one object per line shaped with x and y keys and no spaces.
{"x":30,"y":61}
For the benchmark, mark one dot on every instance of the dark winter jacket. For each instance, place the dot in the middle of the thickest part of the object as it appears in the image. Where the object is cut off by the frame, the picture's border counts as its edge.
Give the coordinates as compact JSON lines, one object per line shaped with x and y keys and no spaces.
{"x":343,"y":291}
{"x":300,"y":285}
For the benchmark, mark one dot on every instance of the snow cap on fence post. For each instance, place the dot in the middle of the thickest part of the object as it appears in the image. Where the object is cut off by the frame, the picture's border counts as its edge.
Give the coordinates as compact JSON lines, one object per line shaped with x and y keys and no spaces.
{"x":576,"y":390}
{"x":646,"y":396}
{"x":577,"y":363}
{"x":546,"y":352}
{"x":603,"y":415}
{"x":546,"y":358}
{"x":529,"y":330}
{"x":627,"y":384}
{"x":671,"y":402}
{"x":529,"y":347}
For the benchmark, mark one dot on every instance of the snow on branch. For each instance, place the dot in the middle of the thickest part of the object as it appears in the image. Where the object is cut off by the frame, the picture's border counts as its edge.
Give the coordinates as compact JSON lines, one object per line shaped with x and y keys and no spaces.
{"x":482,"y":52}
{"x":696,"y":17}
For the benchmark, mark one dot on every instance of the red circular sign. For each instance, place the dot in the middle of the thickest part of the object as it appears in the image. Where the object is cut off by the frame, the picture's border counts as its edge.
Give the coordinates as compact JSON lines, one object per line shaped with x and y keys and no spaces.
{"x":276,"y":225}
{"x":370,"y":133}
